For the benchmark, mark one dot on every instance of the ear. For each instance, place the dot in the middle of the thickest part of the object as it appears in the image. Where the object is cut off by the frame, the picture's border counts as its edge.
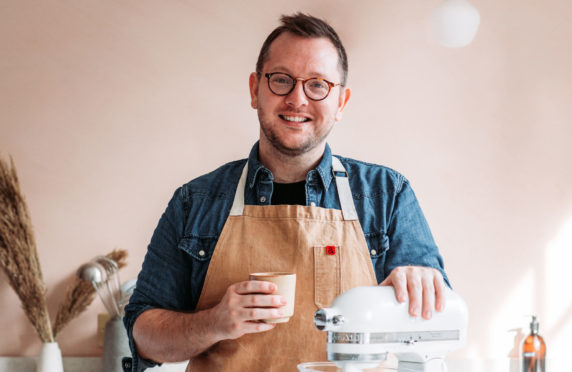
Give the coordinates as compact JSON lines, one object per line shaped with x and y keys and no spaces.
{"x":343,"y":101}
{"x":253,"y":84}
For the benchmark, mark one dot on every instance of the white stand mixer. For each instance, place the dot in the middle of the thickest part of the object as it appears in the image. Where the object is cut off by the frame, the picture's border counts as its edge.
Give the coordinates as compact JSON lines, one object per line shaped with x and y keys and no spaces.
{"x":364,"y":324}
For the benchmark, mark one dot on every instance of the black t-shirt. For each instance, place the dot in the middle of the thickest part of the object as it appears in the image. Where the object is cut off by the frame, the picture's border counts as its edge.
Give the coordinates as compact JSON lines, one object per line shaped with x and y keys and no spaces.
{"x":289,"y":193}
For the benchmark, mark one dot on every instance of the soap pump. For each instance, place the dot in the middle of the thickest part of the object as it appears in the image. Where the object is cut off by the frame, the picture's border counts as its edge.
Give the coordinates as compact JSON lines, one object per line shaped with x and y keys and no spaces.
{"x":533,"y":350}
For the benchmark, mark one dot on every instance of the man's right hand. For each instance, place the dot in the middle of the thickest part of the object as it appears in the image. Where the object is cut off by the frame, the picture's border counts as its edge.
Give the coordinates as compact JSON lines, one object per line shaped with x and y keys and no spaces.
{"x":243,"y":306}
{"x":170,"y":336}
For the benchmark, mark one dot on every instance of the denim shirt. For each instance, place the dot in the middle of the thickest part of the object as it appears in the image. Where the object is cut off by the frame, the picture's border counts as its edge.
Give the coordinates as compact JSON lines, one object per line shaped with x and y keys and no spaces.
{"x":179,"y":253}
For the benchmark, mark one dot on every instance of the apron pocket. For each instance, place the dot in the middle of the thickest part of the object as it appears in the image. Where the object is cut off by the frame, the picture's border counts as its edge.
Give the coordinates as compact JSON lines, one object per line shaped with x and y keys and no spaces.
{"x":327,"y":274}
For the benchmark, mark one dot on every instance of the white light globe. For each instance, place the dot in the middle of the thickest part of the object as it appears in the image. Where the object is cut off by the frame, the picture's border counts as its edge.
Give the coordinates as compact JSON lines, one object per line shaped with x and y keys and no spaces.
{"x":455,"y":23}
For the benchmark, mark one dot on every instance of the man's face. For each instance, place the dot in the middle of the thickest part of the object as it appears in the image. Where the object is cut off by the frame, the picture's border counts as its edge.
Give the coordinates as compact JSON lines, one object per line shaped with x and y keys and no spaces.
{"x":294,"y":124}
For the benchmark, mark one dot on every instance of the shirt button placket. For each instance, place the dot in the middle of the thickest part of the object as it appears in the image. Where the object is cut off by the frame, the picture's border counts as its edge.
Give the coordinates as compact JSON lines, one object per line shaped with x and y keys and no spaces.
{"x":264,"y":188}
{"x":312,"y":190}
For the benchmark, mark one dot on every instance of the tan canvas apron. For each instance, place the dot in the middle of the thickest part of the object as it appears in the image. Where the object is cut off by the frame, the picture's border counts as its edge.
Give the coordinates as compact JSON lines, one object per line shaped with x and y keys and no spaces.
{"x":287,"y":238}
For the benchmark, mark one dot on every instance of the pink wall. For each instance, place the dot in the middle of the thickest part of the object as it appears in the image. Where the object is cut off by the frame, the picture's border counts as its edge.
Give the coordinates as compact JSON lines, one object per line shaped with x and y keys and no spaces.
{"x":107,"y":107}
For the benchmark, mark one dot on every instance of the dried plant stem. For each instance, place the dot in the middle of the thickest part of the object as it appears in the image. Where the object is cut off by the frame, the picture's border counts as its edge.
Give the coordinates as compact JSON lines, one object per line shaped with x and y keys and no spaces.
{"x":80,"y":294}
{"x":18,"y":254}
{"x":119,"y":256}
{"x":19,"y":261}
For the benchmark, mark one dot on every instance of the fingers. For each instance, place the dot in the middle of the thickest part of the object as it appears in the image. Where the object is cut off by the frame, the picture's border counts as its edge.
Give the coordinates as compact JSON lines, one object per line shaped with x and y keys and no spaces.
{"x":440,"y":288}
{"x":262,"y":301}
{"x":255,"y":327}
{"x":415,"y":290}
{"x":254,"y":286}
{"x":258,"y":294}
{"x":257,"y":314}
{"x":428,"y":296}
{"x":244,"y":305}
{"x":424,"y":286}
{"x":398,"y":279}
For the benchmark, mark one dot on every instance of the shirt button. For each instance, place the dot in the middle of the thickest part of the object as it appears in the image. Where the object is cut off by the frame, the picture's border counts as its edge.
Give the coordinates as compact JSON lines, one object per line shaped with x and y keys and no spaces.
{"x":262,"y":199}
{"x":313,"y":204}
{"x":201,"y":253}
{"x":127,"y":363}
{"x":373,"y":252}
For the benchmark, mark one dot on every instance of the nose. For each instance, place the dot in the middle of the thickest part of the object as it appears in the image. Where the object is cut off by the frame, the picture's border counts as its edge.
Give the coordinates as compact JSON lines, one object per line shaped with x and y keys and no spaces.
{"x":297,"y":97}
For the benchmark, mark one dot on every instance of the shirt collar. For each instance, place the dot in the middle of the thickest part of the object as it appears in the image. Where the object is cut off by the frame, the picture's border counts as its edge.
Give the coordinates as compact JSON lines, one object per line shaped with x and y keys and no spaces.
{"x":255,"y":167}
{"x":324,"y":168}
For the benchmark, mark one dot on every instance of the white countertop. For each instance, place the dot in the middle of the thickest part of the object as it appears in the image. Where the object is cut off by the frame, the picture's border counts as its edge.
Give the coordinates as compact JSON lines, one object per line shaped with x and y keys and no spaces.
{"x":74,"y":364}
{"x":93,"y":364}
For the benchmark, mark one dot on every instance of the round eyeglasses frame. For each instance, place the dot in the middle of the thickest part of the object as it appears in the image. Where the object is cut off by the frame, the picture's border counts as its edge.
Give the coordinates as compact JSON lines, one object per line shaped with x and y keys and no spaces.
{"x":304,"y":81}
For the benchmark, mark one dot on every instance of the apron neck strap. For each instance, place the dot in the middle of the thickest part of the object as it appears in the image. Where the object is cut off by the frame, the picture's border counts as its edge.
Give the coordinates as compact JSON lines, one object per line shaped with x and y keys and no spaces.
{"x":342,"y":185}
{"x":238,"y":203}
{"x":344,"y":191}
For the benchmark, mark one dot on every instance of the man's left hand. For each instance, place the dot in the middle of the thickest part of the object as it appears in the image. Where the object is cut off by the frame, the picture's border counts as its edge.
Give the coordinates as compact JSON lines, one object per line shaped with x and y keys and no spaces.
{"x":424,"y":286}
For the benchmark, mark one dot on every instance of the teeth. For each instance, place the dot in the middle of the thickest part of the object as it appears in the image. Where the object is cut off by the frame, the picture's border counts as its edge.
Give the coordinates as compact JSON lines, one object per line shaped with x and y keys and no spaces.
{"x":298,"y":119}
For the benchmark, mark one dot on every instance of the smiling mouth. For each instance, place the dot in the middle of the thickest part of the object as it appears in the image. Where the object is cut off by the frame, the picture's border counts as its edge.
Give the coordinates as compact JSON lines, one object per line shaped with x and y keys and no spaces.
{"x":295,"y":119}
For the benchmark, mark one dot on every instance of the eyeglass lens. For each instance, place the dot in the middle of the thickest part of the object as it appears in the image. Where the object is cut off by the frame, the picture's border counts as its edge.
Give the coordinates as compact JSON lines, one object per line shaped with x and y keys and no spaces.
{"x":282,"y":84}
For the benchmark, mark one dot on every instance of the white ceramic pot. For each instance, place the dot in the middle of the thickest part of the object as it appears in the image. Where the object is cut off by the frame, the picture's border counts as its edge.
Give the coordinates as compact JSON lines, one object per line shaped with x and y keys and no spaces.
{"x":50,"y":359}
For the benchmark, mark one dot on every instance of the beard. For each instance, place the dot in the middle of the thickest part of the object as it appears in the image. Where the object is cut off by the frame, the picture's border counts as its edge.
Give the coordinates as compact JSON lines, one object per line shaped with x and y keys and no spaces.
{"x":309,"y":143}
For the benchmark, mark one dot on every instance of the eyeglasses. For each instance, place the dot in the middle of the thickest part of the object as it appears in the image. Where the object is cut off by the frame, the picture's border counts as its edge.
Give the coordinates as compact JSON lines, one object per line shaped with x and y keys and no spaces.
{"x":283,"y":84}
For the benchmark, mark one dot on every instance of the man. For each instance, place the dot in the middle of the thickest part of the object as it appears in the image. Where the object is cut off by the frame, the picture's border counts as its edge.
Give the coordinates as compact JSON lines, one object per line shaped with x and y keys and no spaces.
{"x":278,"y":211}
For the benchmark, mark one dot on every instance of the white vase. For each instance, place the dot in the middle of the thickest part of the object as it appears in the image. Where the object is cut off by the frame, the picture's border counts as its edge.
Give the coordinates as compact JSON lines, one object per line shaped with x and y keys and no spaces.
{"x":50,"y":359}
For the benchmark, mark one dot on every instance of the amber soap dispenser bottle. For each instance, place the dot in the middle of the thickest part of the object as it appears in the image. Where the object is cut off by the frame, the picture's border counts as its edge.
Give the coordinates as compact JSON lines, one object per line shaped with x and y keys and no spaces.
{"x":533,"y":350}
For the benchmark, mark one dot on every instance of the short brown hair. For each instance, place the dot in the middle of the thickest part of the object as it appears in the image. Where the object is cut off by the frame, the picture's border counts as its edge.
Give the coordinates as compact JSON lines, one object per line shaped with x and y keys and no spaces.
{"x":309,"y":27}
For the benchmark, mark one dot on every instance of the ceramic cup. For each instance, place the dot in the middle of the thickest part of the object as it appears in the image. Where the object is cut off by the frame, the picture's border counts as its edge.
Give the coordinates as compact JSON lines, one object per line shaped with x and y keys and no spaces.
{"x":286,"y":287}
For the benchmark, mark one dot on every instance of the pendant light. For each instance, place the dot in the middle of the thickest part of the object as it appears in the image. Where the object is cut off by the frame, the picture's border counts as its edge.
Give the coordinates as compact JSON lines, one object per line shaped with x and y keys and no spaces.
{"x":455,"y":23}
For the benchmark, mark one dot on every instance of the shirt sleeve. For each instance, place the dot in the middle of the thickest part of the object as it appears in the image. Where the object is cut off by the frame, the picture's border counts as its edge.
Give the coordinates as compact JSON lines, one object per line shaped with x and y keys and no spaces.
{"x":410,"y":240}
{"x":164,"y":280}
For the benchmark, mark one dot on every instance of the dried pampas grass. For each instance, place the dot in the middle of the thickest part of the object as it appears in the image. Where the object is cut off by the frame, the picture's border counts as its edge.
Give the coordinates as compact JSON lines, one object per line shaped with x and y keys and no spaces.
{"x":18,"y":254}
{"x":19,"y":261}
{"x":80,"y":294}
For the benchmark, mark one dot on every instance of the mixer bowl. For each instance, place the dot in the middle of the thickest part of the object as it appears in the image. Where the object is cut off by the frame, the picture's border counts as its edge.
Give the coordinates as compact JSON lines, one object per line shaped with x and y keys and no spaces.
{"x":332,"y":367}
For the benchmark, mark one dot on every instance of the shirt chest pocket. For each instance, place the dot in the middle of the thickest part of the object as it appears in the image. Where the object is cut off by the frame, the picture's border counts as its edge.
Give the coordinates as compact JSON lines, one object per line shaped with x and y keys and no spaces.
{"x":200,"y":249}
